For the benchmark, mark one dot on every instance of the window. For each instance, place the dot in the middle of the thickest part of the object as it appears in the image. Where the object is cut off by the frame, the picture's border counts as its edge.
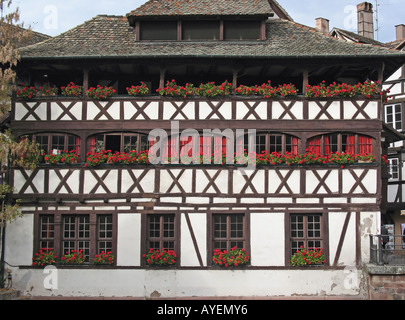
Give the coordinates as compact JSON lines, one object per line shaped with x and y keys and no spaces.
{"x":340,"y":142}
{"x":119,"y":142}
{"x":200,"y":30}
{"x":275,"y":142}
{"x":104,"y":233}
{"x":47,"y":232}
{"x":393,"y":168}
{"x":55,"y":143}
{"x":161,"y":231}
{"x":158,"y":30}
{"x":76,"y":232}
{"x":242,"y":30}
{"x":393,"y":115}
{"x":229,"y":230}
{"x":306,"y":230}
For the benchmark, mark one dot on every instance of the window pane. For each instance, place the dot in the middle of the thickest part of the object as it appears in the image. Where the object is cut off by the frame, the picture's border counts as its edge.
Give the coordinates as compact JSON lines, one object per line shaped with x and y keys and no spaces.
{"x":130,"y":143}
{"x":236,"y":226}
{"x":276,"y":143}
{"x":220,"y":226}
{"x":168,"y":226}
{"x":200,"y":30}
{"x":84,"y":227}
{"x":158,"y":30}
{"x":228,"y":231}
{"x":161,"y":232}
{"x":306,"y":231}
{"x":242,"y":30}
{"x":58,"y":144}
{"x":43,"y":143}
{"x":154,"y":226}
{"x":69,"y":227}
{"x":47,"y":232}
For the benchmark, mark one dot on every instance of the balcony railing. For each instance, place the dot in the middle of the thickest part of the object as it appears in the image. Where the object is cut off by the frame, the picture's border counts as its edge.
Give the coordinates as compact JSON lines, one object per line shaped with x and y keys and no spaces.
{"x":156,"y":108}
{"x":387,"y":249}
{"x":182,"y":185}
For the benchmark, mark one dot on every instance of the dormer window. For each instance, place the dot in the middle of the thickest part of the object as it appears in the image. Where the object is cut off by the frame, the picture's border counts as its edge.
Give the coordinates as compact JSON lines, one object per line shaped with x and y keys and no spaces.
{"x":158,"y":30}
{"x":242,"y":30}
{"x":200,"y":30}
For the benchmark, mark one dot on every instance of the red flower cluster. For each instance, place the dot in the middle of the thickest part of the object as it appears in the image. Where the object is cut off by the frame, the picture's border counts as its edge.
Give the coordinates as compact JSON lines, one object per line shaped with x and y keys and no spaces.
{"x":104,"y":258}
{"x":62,"y":157}
{"x":100,"y":92}
{"x":209,"y":89}
{"x":141,"y":90}
{"x":309,"y":158}
{"x":367,"y":89}
{"x":106,"y":156}
{"x":44,"y":257}
{"x":267,"y":90}
{"x":74,"y":257}
{"x":235,"y":257}
{"x":72,"y":90}
{"x":160,"y":258}
{"x":308,"y":257}
{"x":27,"y":93}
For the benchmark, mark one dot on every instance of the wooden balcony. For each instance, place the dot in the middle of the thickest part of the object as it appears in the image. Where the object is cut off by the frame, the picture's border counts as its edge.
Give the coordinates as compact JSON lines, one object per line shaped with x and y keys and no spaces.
{"x":168,"y":109}
{"x":203,"y":187}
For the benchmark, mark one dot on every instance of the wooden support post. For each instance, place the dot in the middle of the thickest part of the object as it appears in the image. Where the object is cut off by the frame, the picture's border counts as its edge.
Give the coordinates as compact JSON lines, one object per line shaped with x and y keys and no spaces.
{"x":162,"y":77}
{"x":305,"y":81}
{"x":86,"y":79}
{"x":235,"y":79}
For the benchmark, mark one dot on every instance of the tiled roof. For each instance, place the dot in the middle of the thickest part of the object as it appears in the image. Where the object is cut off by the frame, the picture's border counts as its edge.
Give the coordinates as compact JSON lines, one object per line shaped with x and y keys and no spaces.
{"x":112,"y":37}
{"x":356,"y":37}
{"x":34,"y":37}
{"x":202,"y":8}
{"x":397,"y":44}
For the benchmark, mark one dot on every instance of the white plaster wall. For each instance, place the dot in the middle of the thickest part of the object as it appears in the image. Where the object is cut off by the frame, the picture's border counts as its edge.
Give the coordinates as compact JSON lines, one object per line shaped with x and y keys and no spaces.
{"x":20,"y":241}
{"x":348,"y":252}
{"x":187,"y":283}
{"x":314,"y":109}
{"x":188,"y":253}
{"x":267,"y":239}
{"x":129,"y":240}
{"x":370,"y":223}
{"x":72,"y":182}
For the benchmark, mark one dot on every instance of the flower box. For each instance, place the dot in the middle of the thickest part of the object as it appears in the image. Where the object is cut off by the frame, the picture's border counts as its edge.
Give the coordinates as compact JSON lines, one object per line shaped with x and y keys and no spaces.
{"x":310,"y":257}
{"x":228,"y":259}
{"x":160,"y":258}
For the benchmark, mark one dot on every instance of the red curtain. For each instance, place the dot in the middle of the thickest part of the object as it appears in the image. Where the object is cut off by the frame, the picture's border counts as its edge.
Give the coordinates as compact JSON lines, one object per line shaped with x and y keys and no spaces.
{"x":92,"y":144}
{"x":314,"y":145}
{"x":365,"y":145}
{"x":77,"y":147}
{"x":350,"y":144}
{"x":294,"y":145}
{"x":328,"y":149}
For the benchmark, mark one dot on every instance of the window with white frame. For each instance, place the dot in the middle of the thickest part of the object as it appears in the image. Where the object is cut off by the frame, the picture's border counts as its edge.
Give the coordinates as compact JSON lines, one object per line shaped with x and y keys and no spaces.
{"x":393,"y":168}
{"x":393,"y":115}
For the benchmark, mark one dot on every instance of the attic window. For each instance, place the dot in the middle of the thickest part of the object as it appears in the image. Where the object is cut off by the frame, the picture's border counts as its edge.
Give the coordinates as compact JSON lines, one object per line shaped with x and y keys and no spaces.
{"x":200,"y":30}
{"x":158,"y":30}
{"x":242,"y":30}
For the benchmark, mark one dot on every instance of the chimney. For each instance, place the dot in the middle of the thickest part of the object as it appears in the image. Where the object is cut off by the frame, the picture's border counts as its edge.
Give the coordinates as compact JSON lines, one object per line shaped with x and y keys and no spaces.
{"x":322,"y":25}
{"x":400,"y":30}
{"x":365,"y":20}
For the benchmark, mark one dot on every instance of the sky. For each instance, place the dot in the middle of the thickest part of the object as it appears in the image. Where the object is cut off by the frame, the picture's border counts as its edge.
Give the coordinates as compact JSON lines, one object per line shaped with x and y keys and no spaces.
{"x":54,"y":17}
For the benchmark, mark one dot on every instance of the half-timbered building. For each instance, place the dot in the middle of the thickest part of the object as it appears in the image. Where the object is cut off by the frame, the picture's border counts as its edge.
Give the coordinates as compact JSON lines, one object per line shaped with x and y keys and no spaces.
{"x":270,"y":211}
